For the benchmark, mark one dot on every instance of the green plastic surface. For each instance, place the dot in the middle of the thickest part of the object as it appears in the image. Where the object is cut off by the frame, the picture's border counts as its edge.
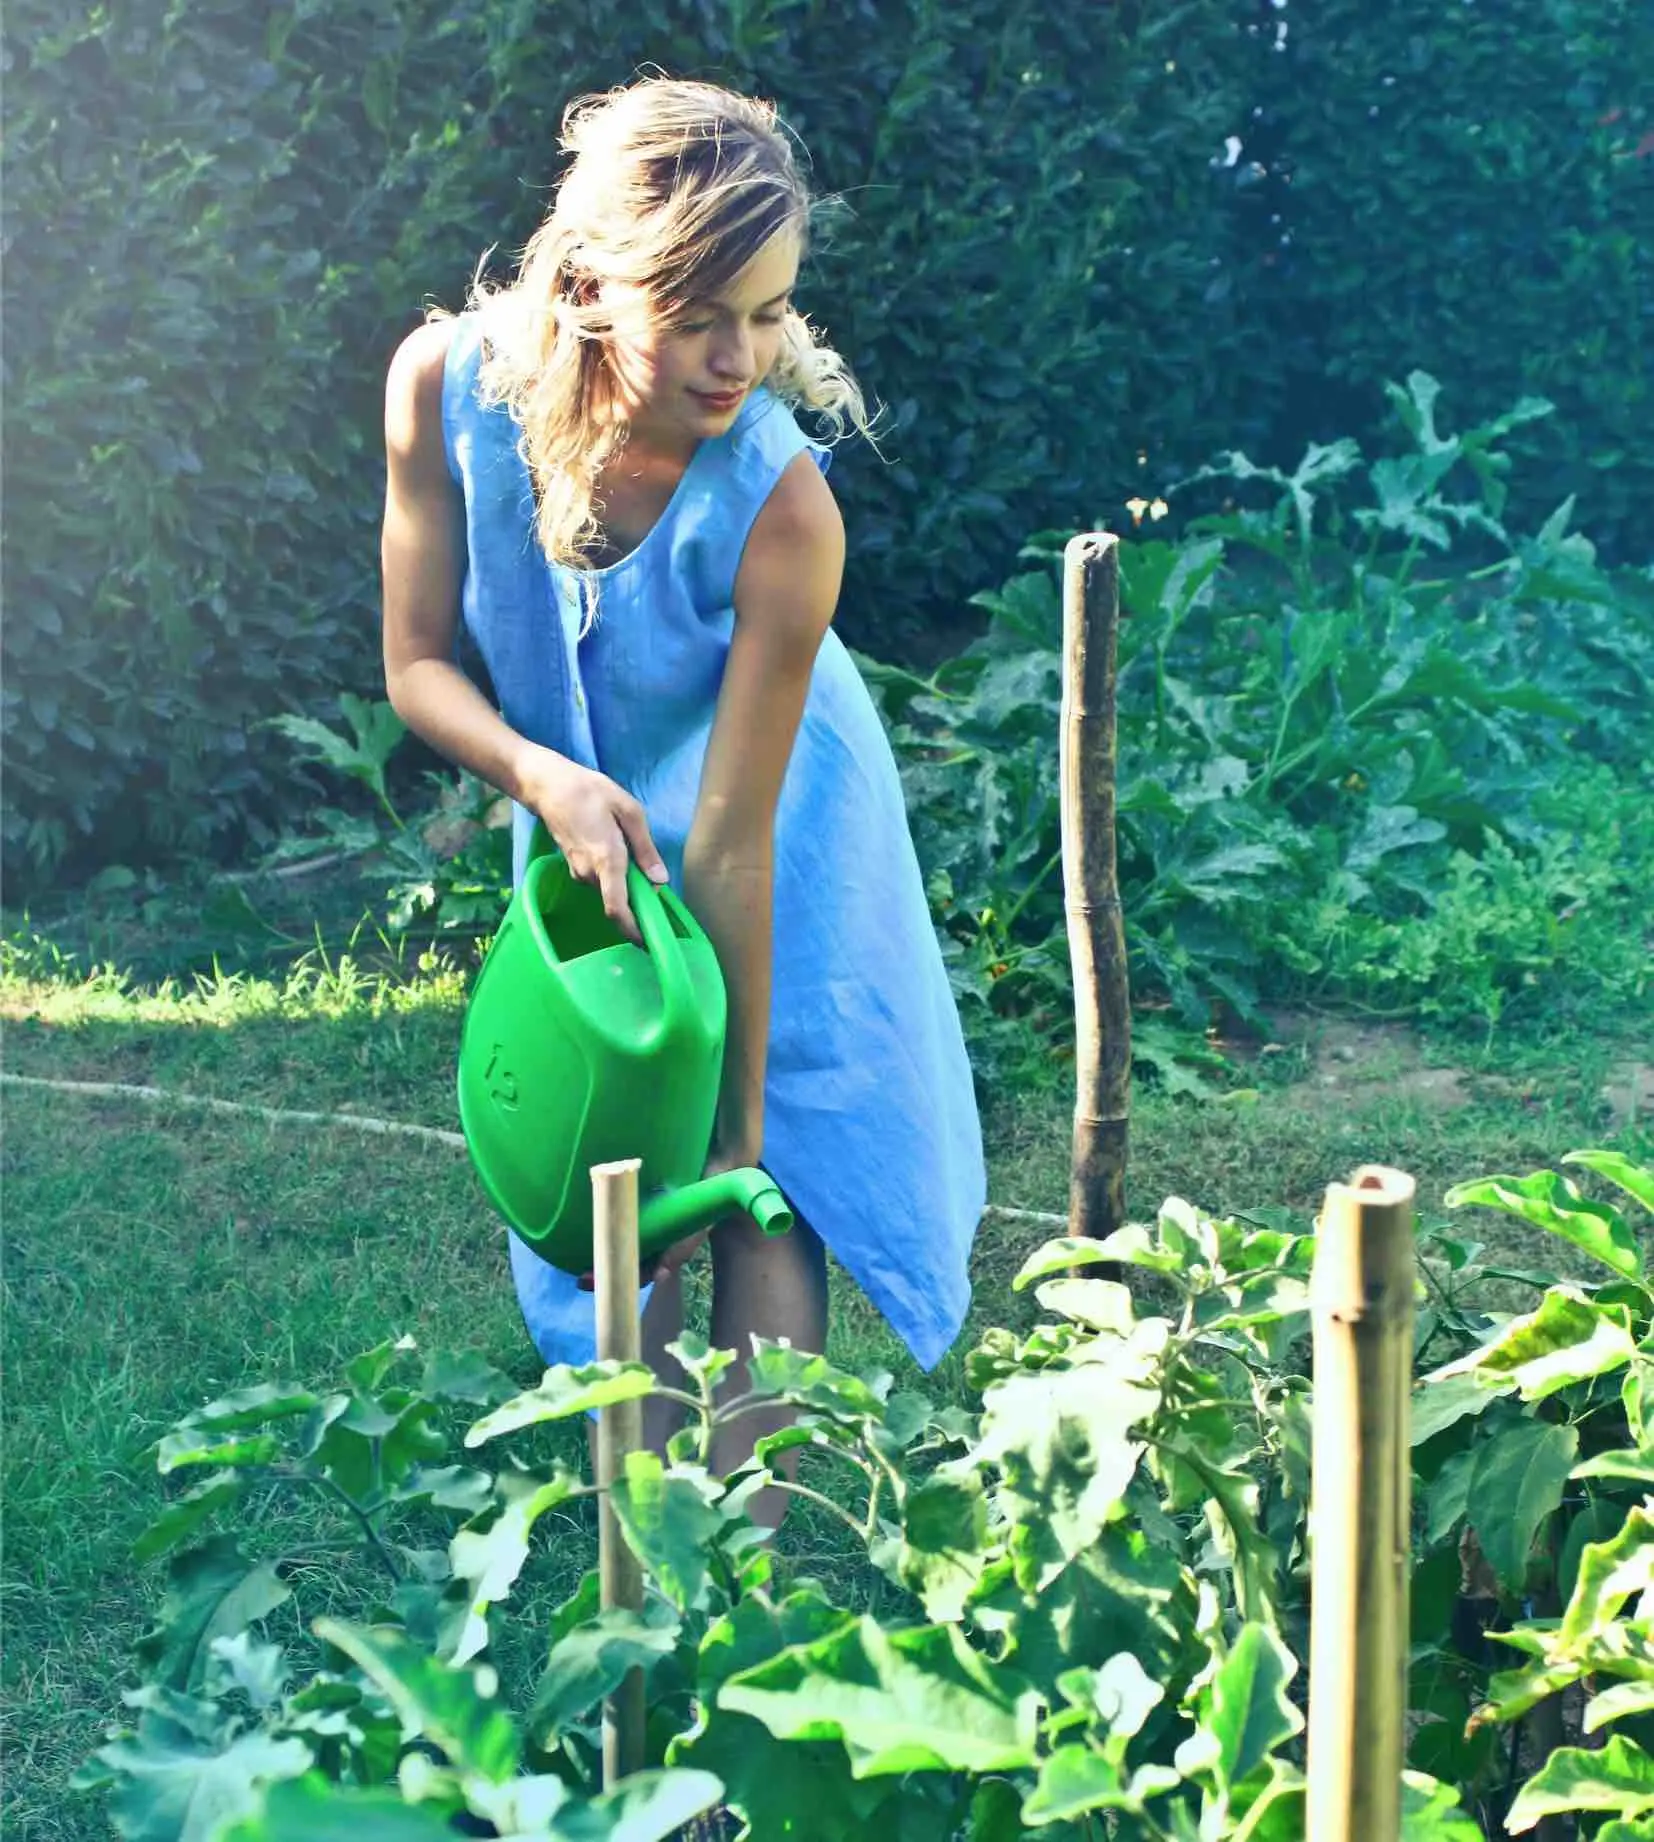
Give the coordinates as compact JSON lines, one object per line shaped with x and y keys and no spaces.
{"x":579,"y":1048}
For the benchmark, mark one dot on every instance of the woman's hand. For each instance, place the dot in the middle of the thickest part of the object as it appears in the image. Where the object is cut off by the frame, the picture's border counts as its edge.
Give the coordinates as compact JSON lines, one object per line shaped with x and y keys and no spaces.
{"x":598,"y":827}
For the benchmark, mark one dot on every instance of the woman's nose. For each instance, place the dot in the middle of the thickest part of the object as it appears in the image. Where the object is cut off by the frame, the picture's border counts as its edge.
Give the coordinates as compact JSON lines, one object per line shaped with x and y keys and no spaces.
{"x":732,"y":357}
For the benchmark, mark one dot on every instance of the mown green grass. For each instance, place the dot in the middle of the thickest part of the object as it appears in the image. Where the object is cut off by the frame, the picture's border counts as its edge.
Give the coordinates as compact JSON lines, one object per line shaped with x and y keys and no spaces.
{"x":155,"y":1257}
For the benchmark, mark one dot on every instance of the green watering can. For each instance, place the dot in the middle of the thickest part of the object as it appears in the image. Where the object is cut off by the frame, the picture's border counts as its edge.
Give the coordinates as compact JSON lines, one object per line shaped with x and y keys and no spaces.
{"x":579,"y":1048}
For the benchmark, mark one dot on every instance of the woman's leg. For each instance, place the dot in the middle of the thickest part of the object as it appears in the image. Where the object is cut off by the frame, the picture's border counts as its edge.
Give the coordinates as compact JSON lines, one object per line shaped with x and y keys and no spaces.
{"x":773,"y":1287}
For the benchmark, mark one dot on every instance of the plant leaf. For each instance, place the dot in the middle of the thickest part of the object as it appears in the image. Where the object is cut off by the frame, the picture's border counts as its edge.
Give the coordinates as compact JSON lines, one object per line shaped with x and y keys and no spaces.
{"x":1431,"y":1812}
{"x":491,"y":1558}
{"x":1519,"y":1479}
{"x":670,"y":1520}
{"x":1061,"y":1438}
{"x":1616,"y":1703}
{"x":1635,"y":1179}
{"x":589,"y":1661}
{"x":185,"y":1514}
{"x":310,"y":1809}
{"x":212,"y":1591}
{"x":564,"y":1392}
{"x":1619,"y":1778}
{"x":1057,"y":1256}
{"x":1566,"y":1338}
{"x":172,"y":1786}
{"x":1075,"y":1779}
{"x":901,"y":1701}
{"x":453,"y":1709}
{"x":1549,"y":1201}
{"x":1442,"y":1399}
{"x":1609,"y":1573}
{"x":1245,"y":1707}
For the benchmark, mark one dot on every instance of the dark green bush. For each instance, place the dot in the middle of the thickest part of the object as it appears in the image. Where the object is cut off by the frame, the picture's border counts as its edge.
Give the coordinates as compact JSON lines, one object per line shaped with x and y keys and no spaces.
{"x":1049,"y":267}
{"x":1468,"y":190}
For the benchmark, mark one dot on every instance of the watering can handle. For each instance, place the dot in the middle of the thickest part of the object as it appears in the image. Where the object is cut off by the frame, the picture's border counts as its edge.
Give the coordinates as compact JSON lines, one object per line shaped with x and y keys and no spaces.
{"x":677,"y":990}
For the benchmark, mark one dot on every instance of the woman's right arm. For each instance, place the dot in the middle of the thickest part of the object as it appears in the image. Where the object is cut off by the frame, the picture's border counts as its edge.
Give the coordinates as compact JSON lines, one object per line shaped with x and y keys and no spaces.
{"x":595,"y":822}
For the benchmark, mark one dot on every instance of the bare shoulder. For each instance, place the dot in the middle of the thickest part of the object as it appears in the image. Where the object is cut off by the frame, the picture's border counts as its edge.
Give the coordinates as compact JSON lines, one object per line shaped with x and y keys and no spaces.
{"x":413,"y":394}
{"x":800,"y":514}
{"x":793,"y":564}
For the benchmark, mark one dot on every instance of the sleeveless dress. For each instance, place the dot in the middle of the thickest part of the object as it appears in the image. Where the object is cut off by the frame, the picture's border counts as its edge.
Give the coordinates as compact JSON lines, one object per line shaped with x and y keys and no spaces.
{"x":870,"y":1117}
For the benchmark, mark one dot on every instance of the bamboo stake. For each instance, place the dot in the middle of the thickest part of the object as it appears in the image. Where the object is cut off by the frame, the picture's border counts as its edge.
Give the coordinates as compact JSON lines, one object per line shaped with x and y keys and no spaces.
{"x":1096,"y":929}
{"x":1362,"y":1294}
{"x":619,"y":1431}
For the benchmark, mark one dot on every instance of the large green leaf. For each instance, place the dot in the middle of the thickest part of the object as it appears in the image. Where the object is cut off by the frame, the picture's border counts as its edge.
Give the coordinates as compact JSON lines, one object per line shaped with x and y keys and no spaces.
{"x":1059,"y":1256}
{"x":811,"y":1381}
{"x":185,"y":1514}
{"x":1442,"y":1399}
{"x":1430,"y":1812}
{"x":940,"y":1555}
{"x":1567,"y":1338}
{"x":1518,"y":1481}
{"x":1062,"y":1440}
{"x":254,"y":1407}
{"x":1077,"y":1779}
{"x":644,"y":1807}
{"x":464,"y":1375}
{"x":1637,"y":1180}
{"x":189,"y":1444}
{"x":1619,"y":1778}
{"x":901,"y":1701}
{"x":179,"y":1781}
{"x":1609,"y":1573}
{"x":590,"y":1661}
{"x":1550,"y":1201}
{"x":1623,"y":1701}
{"x":1243,"y":1713}
{"x":310,"y":1809}
{"x":451,"y":1708}
{"x":670,"y":1519}
{"x":491,"y":1558}
{"x":564,"y":1392}
{"x":212,"y":1591}
{"x":792,"y":1790}
{"x":1125,"y":1592}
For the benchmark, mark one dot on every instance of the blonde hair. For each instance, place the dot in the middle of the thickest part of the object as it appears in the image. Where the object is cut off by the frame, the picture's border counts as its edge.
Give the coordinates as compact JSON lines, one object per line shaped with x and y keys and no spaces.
{"x":673,"y":188}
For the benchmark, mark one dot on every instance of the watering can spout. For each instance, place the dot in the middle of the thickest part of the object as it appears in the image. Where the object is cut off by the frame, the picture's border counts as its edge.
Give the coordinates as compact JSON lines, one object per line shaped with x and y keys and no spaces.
{"x":670,"y":1215}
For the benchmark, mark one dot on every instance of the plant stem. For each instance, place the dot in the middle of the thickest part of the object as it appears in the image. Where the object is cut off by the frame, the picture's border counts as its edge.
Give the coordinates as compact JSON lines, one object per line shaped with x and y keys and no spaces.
{"x":820,"y":1501}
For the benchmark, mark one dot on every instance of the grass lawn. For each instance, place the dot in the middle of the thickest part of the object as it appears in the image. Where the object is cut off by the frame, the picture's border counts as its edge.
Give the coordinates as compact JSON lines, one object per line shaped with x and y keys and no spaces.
{"x":157,"y":1256}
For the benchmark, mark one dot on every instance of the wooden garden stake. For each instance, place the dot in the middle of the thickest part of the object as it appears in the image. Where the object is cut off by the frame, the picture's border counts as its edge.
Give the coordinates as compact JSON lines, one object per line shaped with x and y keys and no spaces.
{"x":619,"y":1431}
{"x":1362,"y":1304}
{"x":1096,"y":929}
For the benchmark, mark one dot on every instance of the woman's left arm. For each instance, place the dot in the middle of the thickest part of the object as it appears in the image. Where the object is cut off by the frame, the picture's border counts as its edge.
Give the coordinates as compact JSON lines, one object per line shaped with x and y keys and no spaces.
{"x":785,"y":592}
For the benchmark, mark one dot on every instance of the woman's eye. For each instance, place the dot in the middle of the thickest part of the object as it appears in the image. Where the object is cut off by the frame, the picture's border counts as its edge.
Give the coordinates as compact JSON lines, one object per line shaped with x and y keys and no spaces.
{"x":771,"y":319}
{"x":694,"y":326}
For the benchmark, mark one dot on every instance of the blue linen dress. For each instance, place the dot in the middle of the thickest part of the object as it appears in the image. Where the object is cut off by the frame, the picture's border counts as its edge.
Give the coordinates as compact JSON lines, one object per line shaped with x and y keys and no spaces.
{"x":870,"y":1118}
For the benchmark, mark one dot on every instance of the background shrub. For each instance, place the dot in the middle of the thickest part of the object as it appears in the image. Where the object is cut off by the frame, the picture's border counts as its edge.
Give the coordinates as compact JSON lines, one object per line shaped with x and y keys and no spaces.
{"x":1081,"y":249}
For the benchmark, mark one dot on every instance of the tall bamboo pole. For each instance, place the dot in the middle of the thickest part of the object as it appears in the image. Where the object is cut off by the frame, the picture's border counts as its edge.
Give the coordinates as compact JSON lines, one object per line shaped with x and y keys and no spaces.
{"x":1362,"y":1307}
{"x":619,"y":1431}
{"x":1096,"y":929}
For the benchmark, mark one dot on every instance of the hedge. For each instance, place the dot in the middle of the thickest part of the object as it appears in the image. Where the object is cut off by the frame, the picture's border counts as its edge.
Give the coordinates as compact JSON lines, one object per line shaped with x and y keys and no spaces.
{"x":1059,"y":262}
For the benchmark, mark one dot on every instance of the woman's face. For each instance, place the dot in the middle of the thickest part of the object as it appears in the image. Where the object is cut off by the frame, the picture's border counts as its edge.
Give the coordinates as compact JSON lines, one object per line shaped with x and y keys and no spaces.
{"x":677,"y":383}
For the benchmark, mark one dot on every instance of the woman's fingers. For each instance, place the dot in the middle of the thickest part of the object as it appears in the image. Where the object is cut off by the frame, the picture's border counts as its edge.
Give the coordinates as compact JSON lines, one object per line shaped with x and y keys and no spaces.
{"x":610,"y":867}
{"x":634,"y":825}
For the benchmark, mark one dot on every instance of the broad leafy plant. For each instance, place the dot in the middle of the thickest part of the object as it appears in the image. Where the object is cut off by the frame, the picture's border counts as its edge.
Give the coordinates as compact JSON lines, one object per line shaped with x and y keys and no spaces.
{"x":1078,"y":1610}
{"x":1535,"y":1451}
{"x":1339,"y":771}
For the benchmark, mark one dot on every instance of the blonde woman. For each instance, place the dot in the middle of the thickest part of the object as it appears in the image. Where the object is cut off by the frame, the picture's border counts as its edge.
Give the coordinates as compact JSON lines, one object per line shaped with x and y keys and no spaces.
{"x":597,"y":469}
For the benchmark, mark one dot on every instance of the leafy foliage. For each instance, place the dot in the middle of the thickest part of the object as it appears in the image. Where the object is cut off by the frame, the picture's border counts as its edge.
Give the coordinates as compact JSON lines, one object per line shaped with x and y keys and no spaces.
{"x":1094,"y":1581}
{"x":1337,"y":774}
{"x":1158,"y":242}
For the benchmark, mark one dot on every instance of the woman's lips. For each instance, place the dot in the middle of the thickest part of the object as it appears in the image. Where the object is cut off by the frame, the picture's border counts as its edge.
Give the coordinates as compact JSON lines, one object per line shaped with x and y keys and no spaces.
{"x":727,"y":399}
